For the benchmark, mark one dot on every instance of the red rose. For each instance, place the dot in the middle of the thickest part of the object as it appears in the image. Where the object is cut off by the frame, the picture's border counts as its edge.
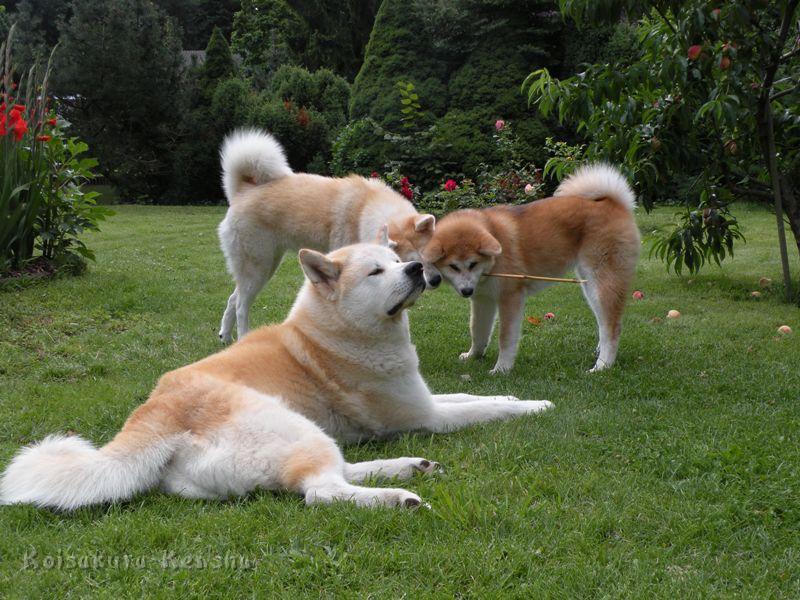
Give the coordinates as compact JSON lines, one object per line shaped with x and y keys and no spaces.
{"x":18,"y":108}
{"x":406,"y":191}
{"x":450,"y":185}
{"x":52,"y":122}
{"x":374,"y":175}
{"x":404,"y":181}
{"x":44,"y":138}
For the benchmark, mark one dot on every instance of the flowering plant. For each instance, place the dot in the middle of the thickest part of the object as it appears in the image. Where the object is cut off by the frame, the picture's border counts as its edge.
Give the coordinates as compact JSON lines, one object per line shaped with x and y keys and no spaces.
{"x":401,"y":183}
{"x":42,"y":205}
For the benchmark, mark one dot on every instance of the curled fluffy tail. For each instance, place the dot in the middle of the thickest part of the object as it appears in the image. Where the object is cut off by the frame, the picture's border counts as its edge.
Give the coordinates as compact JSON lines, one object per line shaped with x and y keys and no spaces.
{"x":597,"y":181}
{"x":253,"y":156}
{"x":68,"y":472}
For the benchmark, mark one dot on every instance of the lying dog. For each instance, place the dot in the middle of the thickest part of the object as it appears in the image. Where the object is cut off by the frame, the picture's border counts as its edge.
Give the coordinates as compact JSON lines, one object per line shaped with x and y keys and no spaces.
{"x":273,"y":210}
{"x":260,"y":413}
{"x":588,"y":225}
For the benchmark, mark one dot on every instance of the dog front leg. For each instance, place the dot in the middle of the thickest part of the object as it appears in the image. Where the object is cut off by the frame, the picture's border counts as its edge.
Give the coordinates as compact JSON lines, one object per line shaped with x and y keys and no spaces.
{"x":449,"y":413}
{"x":481,"y":323}
{"x":512,"y":307}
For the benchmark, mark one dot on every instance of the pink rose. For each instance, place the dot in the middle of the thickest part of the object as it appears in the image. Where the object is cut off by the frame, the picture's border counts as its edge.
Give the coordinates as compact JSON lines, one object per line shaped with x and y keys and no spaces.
{"x":450,"y":185}
{"x":529,"y":189}
{"x":499,"y":124}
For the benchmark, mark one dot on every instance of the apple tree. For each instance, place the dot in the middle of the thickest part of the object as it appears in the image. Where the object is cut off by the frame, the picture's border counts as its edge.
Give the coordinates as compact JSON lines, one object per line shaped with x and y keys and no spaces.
{"x":706,"y":109}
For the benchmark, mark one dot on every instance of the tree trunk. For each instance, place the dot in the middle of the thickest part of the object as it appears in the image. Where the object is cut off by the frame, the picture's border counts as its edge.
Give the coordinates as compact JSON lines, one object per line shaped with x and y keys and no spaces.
{"x":766,"y":134}
{"x":792,"y":208}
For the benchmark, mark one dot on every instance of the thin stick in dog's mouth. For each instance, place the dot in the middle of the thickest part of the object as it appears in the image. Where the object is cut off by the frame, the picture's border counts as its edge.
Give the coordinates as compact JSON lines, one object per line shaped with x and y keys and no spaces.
{"x":536,"y":277}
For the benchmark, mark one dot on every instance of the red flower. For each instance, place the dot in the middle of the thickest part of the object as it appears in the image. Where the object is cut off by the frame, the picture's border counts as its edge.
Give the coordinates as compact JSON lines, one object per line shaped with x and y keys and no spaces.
{"x":374,"y":175}
{"x":44,"y":138}
{"x":404,"y":182}
{"x":3,"y":129}
{"x":52,"y":122}
{"x":19,"y":127}
{"x":406,"y":191}
{"x":18,"y":108}
{"x":450,"y":185}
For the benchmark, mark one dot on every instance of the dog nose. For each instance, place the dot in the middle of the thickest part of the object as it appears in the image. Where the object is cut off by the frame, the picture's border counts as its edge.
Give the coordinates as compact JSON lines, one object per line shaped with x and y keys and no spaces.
{"x":466,"y":292}
{"x":413,"y":269}
{"x":435,"y":280}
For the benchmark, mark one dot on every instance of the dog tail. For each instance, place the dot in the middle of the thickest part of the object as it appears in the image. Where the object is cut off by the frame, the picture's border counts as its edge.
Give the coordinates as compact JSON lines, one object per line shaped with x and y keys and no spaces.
{"x":251,"y":156}
{"x":596,"y":181}
{"x":66,"y":473}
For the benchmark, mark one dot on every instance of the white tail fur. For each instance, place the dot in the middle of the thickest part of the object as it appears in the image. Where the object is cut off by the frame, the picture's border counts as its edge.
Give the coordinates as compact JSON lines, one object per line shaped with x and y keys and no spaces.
{"x":68,"y":472}
{"x":254,"y":155}
{"x":596,"y":181}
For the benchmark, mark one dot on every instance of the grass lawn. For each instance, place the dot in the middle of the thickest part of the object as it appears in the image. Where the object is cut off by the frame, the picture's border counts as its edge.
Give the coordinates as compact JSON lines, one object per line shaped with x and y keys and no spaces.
{"x":674,"y":474}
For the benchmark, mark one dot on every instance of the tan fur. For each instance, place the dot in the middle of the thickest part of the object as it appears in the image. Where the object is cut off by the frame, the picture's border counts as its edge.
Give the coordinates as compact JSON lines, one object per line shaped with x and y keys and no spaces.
{"x":547,"y":237}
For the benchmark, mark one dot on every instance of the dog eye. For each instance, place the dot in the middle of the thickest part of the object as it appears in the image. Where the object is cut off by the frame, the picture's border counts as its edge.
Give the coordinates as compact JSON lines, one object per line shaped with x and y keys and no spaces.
{"x":376,"y":271}
{"x":471,"y":266}
{"x":455,"y":268}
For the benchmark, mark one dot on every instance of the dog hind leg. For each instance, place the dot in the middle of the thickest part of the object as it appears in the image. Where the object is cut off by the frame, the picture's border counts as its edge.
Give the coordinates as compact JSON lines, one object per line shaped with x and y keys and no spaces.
{"x":401,"y":468}
{"x":228,"y":319}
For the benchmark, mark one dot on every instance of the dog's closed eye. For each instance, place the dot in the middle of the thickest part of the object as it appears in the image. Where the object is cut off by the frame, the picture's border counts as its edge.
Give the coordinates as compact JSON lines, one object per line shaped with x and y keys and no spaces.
{"x":455,"y":268}
{"x":471,"y":266}
{"x":376,"y":271}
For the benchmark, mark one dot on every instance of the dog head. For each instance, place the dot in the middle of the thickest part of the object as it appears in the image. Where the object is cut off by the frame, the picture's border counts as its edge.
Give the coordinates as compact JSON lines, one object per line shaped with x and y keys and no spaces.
{"x":408,"y":236}
{"x":462,"y":249}
{"x":364,"y":284}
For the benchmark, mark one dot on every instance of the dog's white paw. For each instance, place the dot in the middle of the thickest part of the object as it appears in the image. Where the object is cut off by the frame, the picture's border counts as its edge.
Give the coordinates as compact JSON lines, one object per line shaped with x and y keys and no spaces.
{"x":500,"y":369}
{"x":599,"y":366}
{"x":426,"y":466}
{"x":535,"y":406}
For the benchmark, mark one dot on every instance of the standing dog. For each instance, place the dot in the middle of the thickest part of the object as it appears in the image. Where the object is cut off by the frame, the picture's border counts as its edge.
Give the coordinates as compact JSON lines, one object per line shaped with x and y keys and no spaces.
{"x":259,"y":414}
{"x":588,"y":225}
{"x":273,"y":210}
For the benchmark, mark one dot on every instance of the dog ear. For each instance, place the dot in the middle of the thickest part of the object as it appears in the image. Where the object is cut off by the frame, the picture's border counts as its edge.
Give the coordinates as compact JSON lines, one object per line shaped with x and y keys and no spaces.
{"x":432,"y":252}
{"x":424,"y":223}
{"x":490,"y":246}
{"x":384,"y":239}
{"x":321,"y":271}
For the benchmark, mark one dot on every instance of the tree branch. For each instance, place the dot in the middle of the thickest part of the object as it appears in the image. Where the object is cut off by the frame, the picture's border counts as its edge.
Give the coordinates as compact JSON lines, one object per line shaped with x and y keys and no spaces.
{"x":785,"y":92}
{"x":665,"y":19}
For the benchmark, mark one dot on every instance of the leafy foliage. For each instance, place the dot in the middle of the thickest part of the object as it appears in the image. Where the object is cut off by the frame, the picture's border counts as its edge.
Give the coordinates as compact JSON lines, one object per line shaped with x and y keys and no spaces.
{"x":682,"y":114}
{"x":118,"y":78}
{"x":42,"y":205}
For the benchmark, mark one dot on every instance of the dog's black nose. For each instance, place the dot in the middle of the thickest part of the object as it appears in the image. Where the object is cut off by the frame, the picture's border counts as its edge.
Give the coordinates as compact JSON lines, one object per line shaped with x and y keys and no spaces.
{"x":435,"y":280}
{"x":466,"y":292}
{"x":413,"y":269}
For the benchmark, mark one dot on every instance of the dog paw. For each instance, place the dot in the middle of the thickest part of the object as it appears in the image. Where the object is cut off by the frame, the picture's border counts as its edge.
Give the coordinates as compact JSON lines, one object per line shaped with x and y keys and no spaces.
{"x":535,"y":406}
{"x":428,"y":466}
{"x":225,"y":338}
{"x":464,"y":356}
{"x":500,"y":369}
{"x":599,"y":366}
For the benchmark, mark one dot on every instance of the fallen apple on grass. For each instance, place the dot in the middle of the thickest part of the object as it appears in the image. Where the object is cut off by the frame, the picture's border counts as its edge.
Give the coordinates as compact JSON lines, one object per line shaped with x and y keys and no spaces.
{"x":673,"y":314}
{"x":784,"y":329}
{"x":638,"y":295}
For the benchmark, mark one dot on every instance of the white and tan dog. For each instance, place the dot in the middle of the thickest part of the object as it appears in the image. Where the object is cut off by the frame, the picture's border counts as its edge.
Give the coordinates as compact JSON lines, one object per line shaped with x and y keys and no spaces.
{"x":273,"y":210}
{"x":587,"y":225}
{"x":263,"y":412}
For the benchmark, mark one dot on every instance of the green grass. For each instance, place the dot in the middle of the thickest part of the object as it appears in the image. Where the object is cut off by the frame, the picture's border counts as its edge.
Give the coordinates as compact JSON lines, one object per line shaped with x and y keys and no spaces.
{"x":675,"y":474}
